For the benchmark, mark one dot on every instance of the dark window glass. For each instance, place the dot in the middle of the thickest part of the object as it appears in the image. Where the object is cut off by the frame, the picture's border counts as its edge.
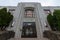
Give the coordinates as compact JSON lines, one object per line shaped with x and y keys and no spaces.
{"x":11,"y":9}
{"x":29,"y":30}
{"x":47,"y":11}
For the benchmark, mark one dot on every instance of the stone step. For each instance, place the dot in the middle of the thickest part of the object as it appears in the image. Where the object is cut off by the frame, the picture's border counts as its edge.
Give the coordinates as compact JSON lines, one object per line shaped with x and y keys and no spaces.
{"x":28,"y":39}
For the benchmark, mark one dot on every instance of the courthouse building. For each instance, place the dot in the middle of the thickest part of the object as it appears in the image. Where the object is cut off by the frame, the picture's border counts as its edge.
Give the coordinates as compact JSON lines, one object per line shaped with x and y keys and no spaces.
{"x":30,"y":20}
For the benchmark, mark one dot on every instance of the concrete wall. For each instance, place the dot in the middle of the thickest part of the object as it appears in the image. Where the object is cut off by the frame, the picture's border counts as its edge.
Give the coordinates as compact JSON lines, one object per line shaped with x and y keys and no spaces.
{"x":19,"y":18}
{"x":39,"y":19}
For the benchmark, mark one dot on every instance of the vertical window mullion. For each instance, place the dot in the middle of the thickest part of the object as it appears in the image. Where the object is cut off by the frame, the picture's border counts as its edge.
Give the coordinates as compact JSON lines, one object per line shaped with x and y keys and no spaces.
{"x":29,"y":13}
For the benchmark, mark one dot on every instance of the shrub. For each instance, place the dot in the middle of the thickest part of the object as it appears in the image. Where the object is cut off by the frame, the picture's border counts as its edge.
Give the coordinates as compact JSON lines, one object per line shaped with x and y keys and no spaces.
{"x":54,"y":20}
{"x":5,"y":18}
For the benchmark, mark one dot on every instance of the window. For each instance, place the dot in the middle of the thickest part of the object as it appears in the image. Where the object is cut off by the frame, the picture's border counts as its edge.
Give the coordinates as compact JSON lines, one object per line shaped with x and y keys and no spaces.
{"x":29,"y":30}
{"x":47,"y":11}
{"x":29,"y":12}
{"x":11,"y":9}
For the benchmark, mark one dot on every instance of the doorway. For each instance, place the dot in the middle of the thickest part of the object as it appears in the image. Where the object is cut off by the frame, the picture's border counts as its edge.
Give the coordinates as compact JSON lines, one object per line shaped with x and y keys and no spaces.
{"x":29,"y":30}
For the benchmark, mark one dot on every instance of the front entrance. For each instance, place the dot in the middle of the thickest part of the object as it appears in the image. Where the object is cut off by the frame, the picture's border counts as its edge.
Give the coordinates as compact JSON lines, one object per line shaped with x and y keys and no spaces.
{"x":29,"y":30}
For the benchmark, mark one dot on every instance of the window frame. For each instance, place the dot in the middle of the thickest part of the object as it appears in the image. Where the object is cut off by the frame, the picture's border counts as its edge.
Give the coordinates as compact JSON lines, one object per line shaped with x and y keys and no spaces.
{"x":47,"y":10}
{"x":11,"y":9}
{"x":25,"y":26}
{"x":29,"y":9}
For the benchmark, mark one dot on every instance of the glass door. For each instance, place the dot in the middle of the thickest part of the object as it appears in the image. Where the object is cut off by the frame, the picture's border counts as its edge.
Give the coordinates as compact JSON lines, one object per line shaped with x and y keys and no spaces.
{"x":29,"y":30}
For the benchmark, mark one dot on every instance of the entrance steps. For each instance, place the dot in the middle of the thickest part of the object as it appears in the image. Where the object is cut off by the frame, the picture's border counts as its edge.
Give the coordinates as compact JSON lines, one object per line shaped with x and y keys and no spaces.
{"x":28,"y":39}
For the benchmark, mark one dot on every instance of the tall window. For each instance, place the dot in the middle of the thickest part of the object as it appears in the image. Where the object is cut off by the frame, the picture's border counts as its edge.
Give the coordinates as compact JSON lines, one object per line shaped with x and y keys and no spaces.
{"x":29,"y":12}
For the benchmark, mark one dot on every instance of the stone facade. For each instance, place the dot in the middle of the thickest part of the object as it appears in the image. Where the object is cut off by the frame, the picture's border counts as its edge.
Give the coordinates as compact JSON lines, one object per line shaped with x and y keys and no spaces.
{"x":39,"y":18}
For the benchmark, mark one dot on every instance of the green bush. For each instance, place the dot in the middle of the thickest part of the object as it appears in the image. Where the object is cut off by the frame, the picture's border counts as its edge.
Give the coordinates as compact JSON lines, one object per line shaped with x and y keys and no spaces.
{"x":5,"y":18}
{"x":54,"y":20}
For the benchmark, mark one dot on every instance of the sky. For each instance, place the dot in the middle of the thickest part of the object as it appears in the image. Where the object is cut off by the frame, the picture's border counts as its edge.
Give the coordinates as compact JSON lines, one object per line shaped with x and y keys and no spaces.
{"x":43,"y":2}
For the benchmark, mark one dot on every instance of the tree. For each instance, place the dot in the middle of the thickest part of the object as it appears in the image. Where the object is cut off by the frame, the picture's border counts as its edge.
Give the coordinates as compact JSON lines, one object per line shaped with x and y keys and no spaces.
{"x":51,"y":21}
{"x":5,"y":18}
{"x":57,"y":14}
{"x":54,"y":20}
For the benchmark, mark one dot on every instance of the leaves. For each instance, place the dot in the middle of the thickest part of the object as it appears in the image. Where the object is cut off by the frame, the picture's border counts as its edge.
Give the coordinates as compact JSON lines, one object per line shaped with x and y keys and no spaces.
{"x":5,"y":17}
{"x":54,"y":20}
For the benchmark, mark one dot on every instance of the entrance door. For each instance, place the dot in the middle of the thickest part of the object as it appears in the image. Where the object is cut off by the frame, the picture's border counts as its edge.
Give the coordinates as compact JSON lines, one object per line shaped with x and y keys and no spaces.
{"x":29,"y":30}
